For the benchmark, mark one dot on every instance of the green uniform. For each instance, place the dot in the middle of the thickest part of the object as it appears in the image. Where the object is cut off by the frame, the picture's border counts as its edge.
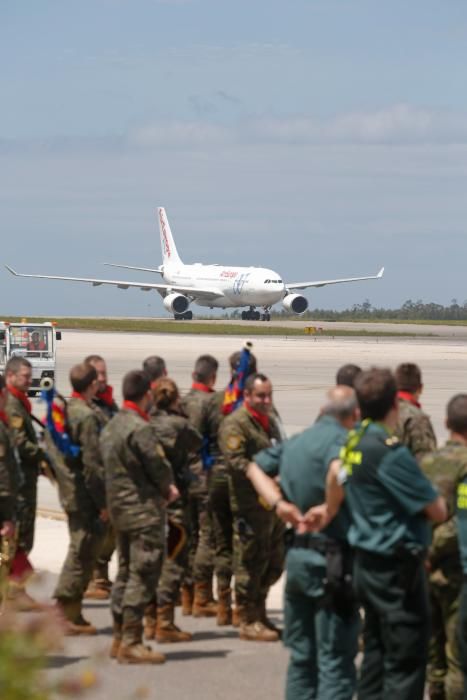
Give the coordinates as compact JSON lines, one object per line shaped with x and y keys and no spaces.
{"x":8,"y":476}
{"x":258,"y":533}
{"x":414,"y":429}
{"x":322,"y":636}
{"x":201,"y":557}
{"x":445,"y":468}
{"x":82,"y":495}
{"x":137,"y":477}
{"x":461,"y":510}
{"x":386,"y":492}
{"x":105,"y":410}
{"x":30,"y":456}
{"x":179,"y":440}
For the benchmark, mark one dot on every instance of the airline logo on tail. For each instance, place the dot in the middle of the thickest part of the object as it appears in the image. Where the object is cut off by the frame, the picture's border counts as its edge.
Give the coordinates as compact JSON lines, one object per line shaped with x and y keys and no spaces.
{"x":164,"y":235}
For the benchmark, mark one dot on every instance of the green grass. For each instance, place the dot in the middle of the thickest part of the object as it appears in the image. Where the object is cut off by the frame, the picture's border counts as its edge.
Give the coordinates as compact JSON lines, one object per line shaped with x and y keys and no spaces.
{"x":189,"y":328}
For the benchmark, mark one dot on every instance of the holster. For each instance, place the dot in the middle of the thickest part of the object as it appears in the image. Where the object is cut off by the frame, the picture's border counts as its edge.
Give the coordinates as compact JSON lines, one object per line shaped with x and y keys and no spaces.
{"x":410,"y":560}
{"x":338,"y":587}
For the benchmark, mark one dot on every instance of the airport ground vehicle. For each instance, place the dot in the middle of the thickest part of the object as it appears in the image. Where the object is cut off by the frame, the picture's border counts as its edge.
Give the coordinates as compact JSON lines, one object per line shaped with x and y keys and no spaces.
{"x":37,"y":342}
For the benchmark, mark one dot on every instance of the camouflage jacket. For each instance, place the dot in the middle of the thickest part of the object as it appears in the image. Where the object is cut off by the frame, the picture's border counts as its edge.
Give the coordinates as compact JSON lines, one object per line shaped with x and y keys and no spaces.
{"x":415,"y":430}
{"x":179,"y":440}
{"x":194,"y":405}
{"x":241,"y":437}
{"x":80,"y":479}
{"x":8,"y":476}
{"x":104,"y":410}
{"x":445,"y":468}
{"x":23,"y":435}
{"x":137,"y":473}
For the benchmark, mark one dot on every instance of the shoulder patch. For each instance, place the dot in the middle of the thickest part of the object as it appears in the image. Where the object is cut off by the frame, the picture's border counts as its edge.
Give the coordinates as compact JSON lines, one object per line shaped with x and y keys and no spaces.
{"x":16,"y":422}
{"x":234,"y":442}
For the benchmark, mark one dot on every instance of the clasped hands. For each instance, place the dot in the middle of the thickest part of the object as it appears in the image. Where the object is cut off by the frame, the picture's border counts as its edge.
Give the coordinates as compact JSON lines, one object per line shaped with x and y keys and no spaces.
{"x":315,"y":519}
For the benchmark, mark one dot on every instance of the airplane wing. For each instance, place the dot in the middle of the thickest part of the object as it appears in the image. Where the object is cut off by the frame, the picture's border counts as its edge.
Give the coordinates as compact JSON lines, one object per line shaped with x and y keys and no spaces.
{"x":322,"y":283}
{"x":202,"y":293}
{"x":130,"y":267}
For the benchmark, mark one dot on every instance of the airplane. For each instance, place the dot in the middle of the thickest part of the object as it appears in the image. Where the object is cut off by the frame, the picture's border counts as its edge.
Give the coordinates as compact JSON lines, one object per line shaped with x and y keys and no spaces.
{"x":212,"y":286}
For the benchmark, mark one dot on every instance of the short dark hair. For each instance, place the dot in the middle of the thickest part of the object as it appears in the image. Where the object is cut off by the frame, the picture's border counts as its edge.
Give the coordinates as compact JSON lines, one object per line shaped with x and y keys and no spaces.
{"x":376,"y":392}
{"x":408,"y":377}
{"x":82,"y":376}
{"x":234,"y":361}
{"x":347,"y":374}
{"x":457,"y":414}
{"x":252,"y":378}
{"x":135,"y":385}
{"x":91,"y":359}
{"x":14,"y":364}
{"x":205,"y":368}
{"x":155,"y":368}
{"x":2,"y":382}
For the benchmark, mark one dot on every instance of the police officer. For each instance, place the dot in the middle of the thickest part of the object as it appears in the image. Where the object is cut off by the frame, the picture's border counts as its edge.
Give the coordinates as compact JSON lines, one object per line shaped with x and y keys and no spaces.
{"x":391,"y":503}
{"x":139,"y":482}
{"x":106,"y":407}
{"x":258,"y":533}
{"x":321,"y":617}
{"x":414,"y":428}
{"x":81,"y":486}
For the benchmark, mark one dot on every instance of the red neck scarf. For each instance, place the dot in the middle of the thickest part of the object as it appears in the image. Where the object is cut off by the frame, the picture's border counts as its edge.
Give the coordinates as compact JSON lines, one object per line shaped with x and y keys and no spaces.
{"x":77,"y":395}
{"x":21,"y":396}
{"x":202,"y":387}
{"x":261,"y":418}
{"x":407,"y":396}
{"x":4,"y":418}
{"x":132,"y":406}
{"x":106,"y":396}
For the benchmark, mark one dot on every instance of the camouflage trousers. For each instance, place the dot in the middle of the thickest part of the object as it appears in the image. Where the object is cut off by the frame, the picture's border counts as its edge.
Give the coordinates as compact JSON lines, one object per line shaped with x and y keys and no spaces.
{"x":259,"y":554}
{"x":26,"y":506}
{"x":175,"y":563}
{"x":101,"y":570}
{"x":201,"y":554}
{"x":83,"y":550}
{"x":222,"y":526}
{"x":445,"y":677}
{"x":140,"y":557}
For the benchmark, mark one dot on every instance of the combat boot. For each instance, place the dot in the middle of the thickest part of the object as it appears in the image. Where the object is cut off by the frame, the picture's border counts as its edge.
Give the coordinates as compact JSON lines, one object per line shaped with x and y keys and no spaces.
{"x":116,"y":641}
{"x":236,"y":615}
{"x":150,"y":621}
{"x":266,"y":621}
{"x":75,"y":624}
{"x":133,"y":651}
{"x":203,"y":603}
{"x":224,"y":607}
{"x":187,"y":599}
{"x":167,"y":631}
{"x":252,"y":629}
{"x":98,"y":589}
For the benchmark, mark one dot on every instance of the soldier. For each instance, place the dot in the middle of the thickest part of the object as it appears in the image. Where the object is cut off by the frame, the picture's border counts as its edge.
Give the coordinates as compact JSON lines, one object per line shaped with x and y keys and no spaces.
{"x":391,"y":503}
{"x":202,"y":603}
{"x":8,"y":486}
{"x":347,"y":375}
{"x":18,"y":374}
{"x":106,"y":407}
{"x":414,"y":427}
{"x":179,"y":440}
{"x":139,"y":482}
{"x":155,"y":368}
{"x":80,"y":480}
{"x":445,"y":468}
{"x":459,"y":427}
{"x":258,"y":534}
{"x":321,"y":616}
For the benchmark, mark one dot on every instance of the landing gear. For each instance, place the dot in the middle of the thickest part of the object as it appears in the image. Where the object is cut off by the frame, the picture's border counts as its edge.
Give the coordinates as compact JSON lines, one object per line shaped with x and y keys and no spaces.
{"x":253,"y":315}
{"x":266,"y":316}
{"x":187,"y":316}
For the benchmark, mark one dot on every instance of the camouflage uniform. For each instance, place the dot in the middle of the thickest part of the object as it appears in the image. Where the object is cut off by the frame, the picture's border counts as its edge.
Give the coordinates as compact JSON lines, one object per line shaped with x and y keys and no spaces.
{"x":30,"y":455}
{"x":201,"y":557}
{"x":415,"y":429}
{"x":445,"y":468}
{"x":138,"y":477}
{"x":105,"y":411}
{"x":8,"y":476}
{"x":179,"y":440}
{"x":82,"y":495}
{"x":258,"y":533}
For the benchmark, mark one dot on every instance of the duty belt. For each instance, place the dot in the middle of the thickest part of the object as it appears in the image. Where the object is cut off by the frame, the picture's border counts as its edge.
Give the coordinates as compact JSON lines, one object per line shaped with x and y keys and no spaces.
{"x":306,"y":542}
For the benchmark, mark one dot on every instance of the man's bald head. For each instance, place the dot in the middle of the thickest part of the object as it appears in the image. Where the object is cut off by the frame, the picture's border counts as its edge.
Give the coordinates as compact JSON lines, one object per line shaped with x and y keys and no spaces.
{"x":341,"y":404}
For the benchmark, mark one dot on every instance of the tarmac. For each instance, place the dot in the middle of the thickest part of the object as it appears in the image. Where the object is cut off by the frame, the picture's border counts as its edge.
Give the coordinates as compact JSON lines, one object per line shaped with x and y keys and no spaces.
{"x":217,"y":663}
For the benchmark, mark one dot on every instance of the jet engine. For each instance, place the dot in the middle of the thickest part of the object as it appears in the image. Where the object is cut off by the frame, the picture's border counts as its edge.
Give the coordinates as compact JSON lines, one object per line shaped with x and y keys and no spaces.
{"x":176,"y":303}
{"x":296,"y":303}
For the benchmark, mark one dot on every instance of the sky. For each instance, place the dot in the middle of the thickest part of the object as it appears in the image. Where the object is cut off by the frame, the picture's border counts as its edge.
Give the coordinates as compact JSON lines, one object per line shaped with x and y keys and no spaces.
{"x":319,"y":138}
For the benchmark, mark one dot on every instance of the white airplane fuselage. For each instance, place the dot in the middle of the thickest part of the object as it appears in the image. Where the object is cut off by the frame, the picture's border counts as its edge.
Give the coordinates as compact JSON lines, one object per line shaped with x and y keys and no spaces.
{"x":238,"y":286}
